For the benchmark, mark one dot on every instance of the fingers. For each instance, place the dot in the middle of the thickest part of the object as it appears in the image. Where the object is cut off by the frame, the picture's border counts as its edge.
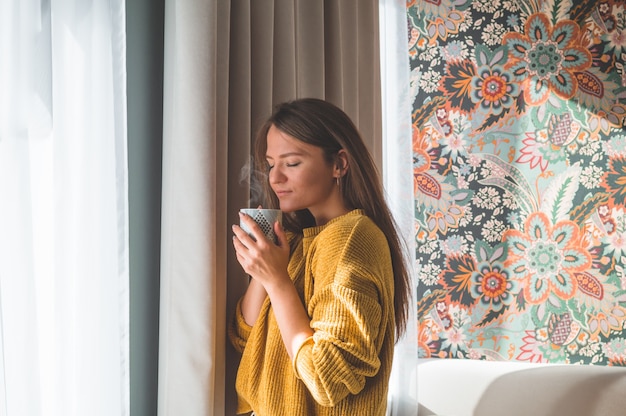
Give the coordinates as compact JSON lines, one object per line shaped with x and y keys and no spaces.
{"x":239,"y":235}
{"x":255,"y":252}
{"x":245,"y":242}
{"x":280,"y":233}
{"x":251,"y":241}
{"x":242,"y":243}
{"x":251,"y":227}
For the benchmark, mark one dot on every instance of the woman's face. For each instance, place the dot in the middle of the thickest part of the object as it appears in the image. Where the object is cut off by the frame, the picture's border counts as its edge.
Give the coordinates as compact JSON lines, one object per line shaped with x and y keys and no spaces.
{"x":301,"y":178}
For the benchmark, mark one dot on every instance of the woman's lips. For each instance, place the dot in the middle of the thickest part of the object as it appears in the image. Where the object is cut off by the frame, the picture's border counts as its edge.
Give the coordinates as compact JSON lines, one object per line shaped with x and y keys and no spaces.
{"x":280,"y":194}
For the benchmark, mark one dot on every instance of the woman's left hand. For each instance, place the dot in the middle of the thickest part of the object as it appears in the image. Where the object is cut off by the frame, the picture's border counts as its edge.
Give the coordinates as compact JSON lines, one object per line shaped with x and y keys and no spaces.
{"x":263,"y":260}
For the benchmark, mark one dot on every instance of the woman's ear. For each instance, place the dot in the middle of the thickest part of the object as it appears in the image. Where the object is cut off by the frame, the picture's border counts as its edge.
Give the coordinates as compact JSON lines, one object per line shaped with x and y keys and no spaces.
{"x":341,"y":163}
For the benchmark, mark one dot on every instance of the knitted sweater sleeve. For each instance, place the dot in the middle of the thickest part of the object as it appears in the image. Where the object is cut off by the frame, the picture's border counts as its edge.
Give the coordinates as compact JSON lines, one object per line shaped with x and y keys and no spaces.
{"x":349,"y":311}
{"x":239,"y":330}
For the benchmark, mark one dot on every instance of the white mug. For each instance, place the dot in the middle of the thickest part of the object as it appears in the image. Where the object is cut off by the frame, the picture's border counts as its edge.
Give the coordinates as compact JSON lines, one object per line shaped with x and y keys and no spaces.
{"x":265,"y":218}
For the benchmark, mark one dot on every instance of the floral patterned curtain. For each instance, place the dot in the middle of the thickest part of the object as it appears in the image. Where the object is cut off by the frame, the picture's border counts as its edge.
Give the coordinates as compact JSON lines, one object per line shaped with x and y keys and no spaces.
{"x":519,"y":153}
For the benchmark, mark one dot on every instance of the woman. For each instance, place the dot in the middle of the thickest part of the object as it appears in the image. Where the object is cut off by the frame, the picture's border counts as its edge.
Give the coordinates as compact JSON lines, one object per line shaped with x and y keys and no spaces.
{"x":318,"y":322}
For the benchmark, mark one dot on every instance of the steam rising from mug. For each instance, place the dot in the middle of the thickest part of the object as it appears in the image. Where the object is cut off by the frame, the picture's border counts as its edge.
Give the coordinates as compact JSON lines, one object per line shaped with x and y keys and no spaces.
{"x":249,"y":176}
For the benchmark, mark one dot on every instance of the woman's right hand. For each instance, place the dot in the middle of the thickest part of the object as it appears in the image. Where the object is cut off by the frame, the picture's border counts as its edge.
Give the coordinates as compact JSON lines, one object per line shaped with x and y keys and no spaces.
{"x":259,"y":257}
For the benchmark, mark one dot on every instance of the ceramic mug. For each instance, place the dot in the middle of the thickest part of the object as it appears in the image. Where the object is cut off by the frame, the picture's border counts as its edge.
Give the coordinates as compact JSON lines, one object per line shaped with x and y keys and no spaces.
{"x":265,"y":218}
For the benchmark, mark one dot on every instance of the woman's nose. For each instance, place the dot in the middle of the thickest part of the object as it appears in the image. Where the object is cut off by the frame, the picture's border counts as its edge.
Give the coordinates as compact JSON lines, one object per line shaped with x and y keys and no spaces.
{"x":276,"y":175}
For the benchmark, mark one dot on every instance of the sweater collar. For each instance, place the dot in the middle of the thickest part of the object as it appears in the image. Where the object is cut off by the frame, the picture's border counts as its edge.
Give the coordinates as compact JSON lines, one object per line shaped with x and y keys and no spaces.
{"x":312,"y":232}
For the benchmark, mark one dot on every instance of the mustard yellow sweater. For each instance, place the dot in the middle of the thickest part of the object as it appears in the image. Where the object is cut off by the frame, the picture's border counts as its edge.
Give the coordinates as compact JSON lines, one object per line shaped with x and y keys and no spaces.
{"x":343,"y":273}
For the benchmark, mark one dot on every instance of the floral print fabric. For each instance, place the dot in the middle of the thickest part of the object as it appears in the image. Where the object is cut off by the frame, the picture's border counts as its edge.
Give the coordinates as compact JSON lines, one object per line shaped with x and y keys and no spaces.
{"x":519,"y":152}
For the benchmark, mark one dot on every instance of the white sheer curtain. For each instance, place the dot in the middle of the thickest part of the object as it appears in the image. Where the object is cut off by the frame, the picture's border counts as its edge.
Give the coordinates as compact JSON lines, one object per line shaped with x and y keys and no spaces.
{"x":63,"y":209}
{"x":398,"y":181}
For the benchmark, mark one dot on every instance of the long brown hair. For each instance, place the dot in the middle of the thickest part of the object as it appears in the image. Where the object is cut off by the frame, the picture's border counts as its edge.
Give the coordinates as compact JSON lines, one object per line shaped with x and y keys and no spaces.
{"x":322,"y":124}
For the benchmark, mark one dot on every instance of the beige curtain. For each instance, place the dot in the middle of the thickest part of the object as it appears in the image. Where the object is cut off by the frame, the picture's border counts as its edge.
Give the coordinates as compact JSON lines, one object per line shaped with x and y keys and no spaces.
{"x":227,"y":63}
